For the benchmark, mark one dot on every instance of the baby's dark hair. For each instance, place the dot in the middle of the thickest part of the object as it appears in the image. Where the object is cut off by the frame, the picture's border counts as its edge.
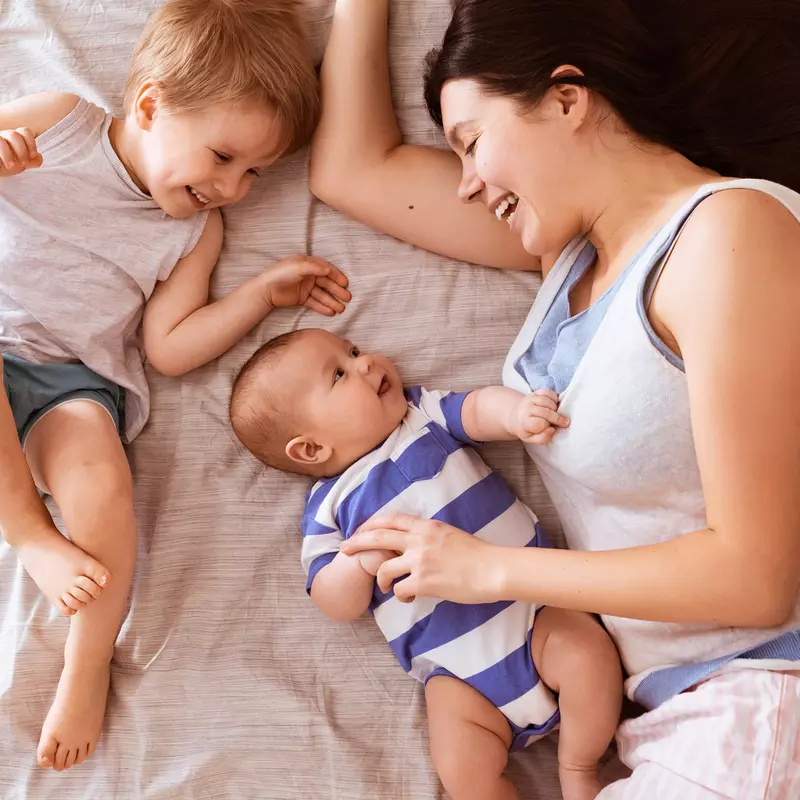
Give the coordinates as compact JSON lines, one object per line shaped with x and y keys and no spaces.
{"x":264,"y":419}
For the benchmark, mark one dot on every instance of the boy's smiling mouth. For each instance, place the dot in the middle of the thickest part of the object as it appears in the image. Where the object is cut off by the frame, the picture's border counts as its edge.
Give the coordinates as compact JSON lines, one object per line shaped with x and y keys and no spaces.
{"x":198,"y":198}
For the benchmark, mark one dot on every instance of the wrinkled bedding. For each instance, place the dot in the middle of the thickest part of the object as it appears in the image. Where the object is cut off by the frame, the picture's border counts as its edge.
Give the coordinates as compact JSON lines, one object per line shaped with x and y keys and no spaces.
{"x":227,"y":683}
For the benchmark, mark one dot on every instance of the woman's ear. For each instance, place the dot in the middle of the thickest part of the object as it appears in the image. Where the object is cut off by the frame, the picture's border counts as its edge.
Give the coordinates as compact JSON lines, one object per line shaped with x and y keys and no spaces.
{"x":305,"y":451}
{"x":572,"y":99}
{"x":147,"y":104}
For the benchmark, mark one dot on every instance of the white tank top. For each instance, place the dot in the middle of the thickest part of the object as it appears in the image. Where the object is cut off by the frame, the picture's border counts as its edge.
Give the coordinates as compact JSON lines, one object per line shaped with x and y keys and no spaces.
{"x":81,"y":250}
{"x":625,"y":473}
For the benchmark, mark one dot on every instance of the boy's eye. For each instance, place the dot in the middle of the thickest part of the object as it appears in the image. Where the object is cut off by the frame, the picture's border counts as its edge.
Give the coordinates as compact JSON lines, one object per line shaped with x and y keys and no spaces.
{"x":221,"y":157}
{"x":254,"y":172}
{"x":338,"y":375}
{"x":355,"y":353}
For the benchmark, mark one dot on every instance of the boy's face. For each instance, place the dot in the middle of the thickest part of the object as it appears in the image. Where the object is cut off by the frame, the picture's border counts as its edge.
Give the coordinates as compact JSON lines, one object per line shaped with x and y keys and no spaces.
{"x":349,"y":401}
{"x":189,"y":162}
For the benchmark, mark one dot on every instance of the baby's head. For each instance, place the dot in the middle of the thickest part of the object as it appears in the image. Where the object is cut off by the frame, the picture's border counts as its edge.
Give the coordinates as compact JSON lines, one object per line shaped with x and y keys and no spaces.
{"x":310,"y":402}
{"x":218,"y":90}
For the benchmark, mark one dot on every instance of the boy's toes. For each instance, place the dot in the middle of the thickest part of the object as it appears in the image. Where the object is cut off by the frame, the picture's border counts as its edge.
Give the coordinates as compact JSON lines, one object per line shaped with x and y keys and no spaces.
{"x":88,"y":586}
{"x":96,"y":572}
{"x":46,"y":754}
{"x":71,"y":602}
{"x":80,"y":755}
{"x":62,"y":751}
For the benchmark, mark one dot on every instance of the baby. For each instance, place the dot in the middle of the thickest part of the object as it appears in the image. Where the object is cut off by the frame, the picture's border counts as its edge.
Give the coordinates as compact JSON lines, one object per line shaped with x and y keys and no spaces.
{"x":310,"y":402}
{"x":110,"y":228}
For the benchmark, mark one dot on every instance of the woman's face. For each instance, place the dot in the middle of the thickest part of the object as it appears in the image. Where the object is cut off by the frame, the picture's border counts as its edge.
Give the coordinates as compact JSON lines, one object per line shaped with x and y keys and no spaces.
{"x":526,"y":168}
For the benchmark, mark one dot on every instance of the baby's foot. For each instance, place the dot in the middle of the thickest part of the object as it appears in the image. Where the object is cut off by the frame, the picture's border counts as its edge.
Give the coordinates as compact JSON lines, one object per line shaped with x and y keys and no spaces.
{"x":72,"y":726}
{"x":68,"y":577}
{"x":579,"y":784}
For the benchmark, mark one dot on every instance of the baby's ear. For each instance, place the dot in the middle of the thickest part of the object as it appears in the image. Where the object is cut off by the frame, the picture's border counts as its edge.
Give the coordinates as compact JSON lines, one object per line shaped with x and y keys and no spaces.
{"x":305,"y":451}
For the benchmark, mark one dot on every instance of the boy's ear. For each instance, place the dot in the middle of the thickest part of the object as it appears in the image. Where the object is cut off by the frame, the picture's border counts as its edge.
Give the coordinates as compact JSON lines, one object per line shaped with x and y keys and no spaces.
{"x":305,"y":451}
{"x":146,"y":104}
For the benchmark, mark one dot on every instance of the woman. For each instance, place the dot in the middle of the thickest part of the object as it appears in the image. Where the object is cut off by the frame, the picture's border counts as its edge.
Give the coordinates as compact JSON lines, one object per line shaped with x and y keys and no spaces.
{"x":601,"y":133}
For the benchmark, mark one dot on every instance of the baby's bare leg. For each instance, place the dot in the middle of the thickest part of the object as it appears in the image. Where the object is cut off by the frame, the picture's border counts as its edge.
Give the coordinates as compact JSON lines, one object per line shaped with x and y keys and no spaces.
{"x":469,"y":741}
{"x":576,"y":658}
{"x":76,"y":453}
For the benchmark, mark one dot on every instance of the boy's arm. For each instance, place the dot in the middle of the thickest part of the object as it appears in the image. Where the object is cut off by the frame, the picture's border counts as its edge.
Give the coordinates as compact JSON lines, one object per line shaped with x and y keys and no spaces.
{"x":342,"y":590}
{"x":22,"y":511}
{"x":21,"y":121}
{"x":497,"y":413}
{"x":183,"y":331}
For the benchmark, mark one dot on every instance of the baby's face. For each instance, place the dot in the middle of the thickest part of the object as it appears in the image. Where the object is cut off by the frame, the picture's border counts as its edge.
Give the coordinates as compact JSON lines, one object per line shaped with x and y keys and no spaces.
{"x":189,"y":162}
{"x":349,"y":400}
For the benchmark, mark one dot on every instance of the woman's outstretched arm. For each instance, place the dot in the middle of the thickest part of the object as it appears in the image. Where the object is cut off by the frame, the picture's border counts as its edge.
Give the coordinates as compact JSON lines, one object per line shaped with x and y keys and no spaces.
{"x":360,"y":166}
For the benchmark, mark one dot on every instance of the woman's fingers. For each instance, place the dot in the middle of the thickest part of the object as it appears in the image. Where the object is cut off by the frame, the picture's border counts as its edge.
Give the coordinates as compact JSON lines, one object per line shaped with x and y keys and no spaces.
{"x":334,"y":289}
{"x":379,"y":539}
{"x":396,"y":522}
{"x":328,"y":300}
{"x":391,"y":570}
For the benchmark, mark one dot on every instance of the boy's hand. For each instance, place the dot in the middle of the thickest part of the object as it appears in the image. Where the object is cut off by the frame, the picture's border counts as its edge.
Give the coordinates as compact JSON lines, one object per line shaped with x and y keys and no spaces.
{"x":18,"y":152}
{"x":535,"y":418}
{"x":306,"y":281}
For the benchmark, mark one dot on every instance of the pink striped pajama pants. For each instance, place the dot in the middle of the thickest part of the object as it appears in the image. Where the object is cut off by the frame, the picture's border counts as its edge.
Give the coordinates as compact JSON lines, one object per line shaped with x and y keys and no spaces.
{"x":736,"y":736}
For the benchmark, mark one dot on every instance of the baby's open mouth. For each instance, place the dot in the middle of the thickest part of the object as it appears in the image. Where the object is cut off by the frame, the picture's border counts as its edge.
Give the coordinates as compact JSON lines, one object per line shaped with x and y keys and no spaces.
{"x":385,"y":386}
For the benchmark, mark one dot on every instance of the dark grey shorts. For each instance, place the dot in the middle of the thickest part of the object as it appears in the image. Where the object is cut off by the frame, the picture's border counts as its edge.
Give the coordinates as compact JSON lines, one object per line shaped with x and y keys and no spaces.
{"x":33,"y":390}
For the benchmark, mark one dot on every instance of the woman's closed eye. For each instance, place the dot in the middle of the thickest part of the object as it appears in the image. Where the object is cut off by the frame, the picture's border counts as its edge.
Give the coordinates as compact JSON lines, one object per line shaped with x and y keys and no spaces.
{"x":470,"y":149}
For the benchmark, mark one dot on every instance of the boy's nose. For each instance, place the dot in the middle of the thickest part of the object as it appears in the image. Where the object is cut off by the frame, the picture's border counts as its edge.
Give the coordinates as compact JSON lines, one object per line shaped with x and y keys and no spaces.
{"x":230,"y":187}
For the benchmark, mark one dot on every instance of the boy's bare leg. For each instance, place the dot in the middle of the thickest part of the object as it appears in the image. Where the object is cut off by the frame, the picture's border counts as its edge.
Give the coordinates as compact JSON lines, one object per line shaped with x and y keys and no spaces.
{"x":68,"y":577}
{"x":576,"y":658}
{"x":76,"y":454}
{"x":469,"y":741}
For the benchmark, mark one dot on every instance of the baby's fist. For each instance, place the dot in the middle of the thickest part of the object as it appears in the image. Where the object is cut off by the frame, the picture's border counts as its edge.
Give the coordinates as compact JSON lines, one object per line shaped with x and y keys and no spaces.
{"x":535,"y":418}
{"x":18,"y":152}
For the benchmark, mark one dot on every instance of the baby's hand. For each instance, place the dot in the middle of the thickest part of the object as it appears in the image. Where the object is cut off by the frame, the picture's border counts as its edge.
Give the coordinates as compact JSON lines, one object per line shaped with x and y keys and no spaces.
{"x":306,"y":281}
{"x":371,"y":560}
{"x":18,"y":152}
{"x":535,"y":418}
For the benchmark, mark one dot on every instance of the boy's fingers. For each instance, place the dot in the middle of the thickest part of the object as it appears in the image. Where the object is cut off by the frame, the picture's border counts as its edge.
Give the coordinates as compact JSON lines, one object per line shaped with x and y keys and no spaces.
{"x":30,"y":142}
{"x":7,"y":155}
{"x":19,"y":146}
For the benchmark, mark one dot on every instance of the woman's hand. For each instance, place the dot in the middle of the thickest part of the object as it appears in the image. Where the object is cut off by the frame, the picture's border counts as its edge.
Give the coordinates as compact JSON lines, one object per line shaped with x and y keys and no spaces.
{"x":436,"y":559}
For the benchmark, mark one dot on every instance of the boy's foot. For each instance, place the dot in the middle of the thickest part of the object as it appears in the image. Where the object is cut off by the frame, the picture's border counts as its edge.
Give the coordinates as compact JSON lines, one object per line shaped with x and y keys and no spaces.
{"x":73,"y":724}
{"x":579,"y":784}
{"x":68,"y":577}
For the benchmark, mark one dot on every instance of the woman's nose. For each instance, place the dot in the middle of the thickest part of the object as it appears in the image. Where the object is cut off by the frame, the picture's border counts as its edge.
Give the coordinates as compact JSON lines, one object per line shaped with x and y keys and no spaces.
{"x":471,"y":185}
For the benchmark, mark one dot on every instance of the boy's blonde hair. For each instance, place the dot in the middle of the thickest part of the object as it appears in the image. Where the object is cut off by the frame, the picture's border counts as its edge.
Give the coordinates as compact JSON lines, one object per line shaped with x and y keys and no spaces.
{"x":203,"y":52}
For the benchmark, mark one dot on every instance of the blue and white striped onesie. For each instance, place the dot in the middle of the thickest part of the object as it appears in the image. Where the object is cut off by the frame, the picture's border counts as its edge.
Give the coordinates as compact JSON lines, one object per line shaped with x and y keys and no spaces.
{"x":427,"y":468}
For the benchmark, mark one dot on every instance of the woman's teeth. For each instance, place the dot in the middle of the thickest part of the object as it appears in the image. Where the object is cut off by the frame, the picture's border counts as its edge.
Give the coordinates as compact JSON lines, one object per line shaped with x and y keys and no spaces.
{"x":507,"y":203}
{"x":201,"y":197}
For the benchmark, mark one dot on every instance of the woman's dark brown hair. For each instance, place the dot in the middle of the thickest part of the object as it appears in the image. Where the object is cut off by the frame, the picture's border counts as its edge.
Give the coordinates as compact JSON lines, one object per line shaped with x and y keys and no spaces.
{"x":716,"y":80}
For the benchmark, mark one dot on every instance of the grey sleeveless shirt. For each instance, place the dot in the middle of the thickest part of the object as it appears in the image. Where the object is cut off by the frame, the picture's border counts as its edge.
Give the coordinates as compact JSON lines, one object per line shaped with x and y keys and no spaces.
{"x":81,"y":250}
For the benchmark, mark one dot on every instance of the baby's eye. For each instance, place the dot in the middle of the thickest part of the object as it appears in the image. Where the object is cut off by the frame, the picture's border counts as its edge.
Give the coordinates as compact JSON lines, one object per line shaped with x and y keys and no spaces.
{"x":355,"y":353}
{"x":338,"y":375}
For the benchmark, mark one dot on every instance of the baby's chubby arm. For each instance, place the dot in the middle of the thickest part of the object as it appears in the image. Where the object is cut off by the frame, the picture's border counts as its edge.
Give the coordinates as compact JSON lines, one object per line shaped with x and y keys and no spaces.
{"x":497,"y":413}
{"x":21,"y":121}
{"x":183,"y":331}
{"x":342,"y":590}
